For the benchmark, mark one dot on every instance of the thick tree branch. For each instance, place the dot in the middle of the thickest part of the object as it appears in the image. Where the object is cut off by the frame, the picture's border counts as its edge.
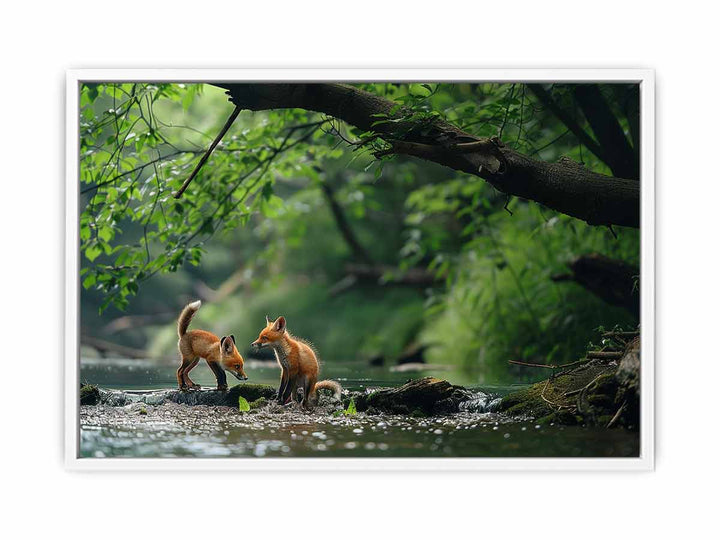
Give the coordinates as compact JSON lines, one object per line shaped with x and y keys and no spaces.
{"x":567,"y":188}
{"x":622,"y":159}
{"x":570,"y":122}
{"x":616,"y":282}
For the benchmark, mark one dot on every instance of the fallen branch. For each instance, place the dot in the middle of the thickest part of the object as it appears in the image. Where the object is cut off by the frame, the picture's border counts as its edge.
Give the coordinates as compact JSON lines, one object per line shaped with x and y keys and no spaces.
{"x":104,"y":347}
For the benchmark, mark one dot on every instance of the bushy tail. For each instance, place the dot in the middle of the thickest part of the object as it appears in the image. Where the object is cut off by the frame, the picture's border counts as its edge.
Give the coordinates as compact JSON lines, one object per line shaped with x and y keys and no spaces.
{"x":186,"y":316}
{"x":330,"y":385}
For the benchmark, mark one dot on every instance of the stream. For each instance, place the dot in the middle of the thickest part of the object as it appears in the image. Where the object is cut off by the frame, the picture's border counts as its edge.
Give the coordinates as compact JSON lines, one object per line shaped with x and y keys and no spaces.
{"x":142,"y":430}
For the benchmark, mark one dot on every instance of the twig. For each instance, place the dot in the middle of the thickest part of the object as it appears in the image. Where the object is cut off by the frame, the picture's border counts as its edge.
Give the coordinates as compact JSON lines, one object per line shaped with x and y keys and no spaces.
{"x":583,"y":389}
{"x":604,"y":355}
{"x":531,"y":365}
{"x":617,"y":415}
{"x":621,"y":334}
{"x":507,"y":201}
{"x":207,"y":154}
{"x":548,"y":366}
{"x":546,"y":400}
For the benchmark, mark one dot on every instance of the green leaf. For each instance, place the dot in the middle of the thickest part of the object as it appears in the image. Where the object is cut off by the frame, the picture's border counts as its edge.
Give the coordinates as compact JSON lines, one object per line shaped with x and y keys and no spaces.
{"x":89,"y":281}
{"x":93,"y":252}
{"x":243,"y":405}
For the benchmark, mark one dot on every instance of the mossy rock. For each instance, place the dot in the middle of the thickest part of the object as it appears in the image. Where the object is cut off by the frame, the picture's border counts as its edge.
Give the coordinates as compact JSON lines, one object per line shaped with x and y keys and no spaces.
{"x":251,"y":392}
{"x":259,"y":402}
{"x":89,"y":394}
{"x":563,"y":417}
{"x":429,"y":395}
{"x":577,"y":396}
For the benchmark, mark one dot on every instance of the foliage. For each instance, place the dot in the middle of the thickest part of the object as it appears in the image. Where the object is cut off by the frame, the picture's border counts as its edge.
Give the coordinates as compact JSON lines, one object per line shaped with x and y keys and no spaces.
{"x":351,"y":408}
{"x":258,"y":215}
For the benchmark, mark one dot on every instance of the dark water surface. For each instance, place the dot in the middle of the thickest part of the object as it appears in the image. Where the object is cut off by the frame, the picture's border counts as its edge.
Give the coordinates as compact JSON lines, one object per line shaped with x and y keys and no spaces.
{"x":172,"y":430}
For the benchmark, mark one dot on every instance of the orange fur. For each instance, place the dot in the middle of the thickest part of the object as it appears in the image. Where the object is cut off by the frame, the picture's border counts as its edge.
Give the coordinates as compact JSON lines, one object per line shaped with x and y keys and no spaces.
{"x":220,"y":354}
{"x":298,"y":363}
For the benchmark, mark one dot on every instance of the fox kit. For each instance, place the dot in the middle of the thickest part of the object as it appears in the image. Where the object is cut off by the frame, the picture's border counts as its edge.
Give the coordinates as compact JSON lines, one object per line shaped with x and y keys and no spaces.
{"x":220,"y":354}
{"x":298,"y":363}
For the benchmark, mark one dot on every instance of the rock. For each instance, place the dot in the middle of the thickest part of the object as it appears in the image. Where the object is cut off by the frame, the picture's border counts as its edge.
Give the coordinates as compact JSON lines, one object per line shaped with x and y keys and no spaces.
{"x":251,"y":392}
{"x":428,"y":395}
{"x":89,"y":394}
{"x":421,"y":397}
{"x":229,"y":398}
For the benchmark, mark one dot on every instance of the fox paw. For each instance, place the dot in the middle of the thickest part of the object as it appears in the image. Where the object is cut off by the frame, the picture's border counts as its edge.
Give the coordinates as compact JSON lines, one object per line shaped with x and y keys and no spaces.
{"x":222,"y":387}
{"x":194,"y":386}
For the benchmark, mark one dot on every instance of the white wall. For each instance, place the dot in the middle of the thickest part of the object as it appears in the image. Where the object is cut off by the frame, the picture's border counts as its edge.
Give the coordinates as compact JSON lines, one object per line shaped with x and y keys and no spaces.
{"x":39,"y":43}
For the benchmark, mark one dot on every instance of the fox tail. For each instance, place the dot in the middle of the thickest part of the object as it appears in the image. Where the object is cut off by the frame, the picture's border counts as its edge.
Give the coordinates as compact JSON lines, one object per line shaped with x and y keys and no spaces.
{"x":186,"y":316}
{"x":330,"y":385}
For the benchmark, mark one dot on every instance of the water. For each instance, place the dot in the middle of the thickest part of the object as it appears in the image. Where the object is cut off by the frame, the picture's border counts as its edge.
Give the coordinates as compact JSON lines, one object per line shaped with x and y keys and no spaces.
{"x":172,"y":430}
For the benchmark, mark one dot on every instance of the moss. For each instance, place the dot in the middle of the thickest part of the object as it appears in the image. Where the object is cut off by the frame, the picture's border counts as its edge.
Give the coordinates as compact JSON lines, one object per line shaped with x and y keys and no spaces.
{"x":605,"y":384}
{"x":556,"y":399}
{"x":563,"y":417}
{"x":259,"y":402}
{"x":142,"y":411}
{"x":89,"y":394}
{"x":418,"y":413}
{"x":251,"y":392}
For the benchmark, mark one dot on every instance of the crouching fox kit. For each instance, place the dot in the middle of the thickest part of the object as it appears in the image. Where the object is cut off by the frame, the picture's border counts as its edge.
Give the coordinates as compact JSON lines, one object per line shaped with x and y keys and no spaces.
{"x":298,"y":363}
{"x":220,"y":354}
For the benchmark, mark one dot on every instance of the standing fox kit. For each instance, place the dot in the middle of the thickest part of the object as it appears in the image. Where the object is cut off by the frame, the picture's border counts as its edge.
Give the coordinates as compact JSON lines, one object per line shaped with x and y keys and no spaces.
{"x":298,"y":363}
{"x":220,"y":354}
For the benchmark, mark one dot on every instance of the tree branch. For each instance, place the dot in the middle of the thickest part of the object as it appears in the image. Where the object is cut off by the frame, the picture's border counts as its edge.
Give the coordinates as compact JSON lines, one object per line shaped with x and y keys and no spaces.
{"x":616,"y":282}
{"x":357,"y":249}
{"x":622,"y":159}
{"x":566,"y":118}
{"x":575,"y":191}
{"x":207,"y":154}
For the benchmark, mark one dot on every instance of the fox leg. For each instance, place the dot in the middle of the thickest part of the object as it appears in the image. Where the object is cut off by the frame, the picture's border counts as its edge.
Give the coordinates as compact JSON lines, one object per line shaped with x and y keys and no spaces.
{"x":284,"y":380}
{"x":289,"y":387}
{"x":311,"y":397}
{"x":186,"y":375}
{"x":181,"y":373}
{"x":219,"y":375}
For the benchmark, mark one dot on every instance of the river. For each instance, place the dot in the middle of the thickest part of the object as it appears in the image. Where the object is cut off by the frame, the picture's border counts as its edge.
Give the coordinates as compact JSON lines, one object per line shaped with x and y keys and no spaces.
{"x":173,"y":430}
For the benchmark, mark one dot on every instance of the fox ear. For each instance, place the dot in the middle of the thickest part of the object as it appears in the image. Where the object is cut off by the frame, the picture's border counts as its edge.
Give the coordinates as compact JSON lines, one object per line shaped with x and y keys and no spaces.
{"x":268,"y":322}
{"x":225,"y":344}
{"x":232,"y":336}
{"x":279,"y":325}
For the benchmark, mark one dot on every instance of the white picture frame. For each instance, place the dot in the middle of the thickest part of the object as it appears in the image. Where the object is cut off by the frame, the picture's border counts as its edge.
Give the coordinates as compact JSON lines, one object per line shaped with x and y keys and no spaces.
{"x":646,"y":79}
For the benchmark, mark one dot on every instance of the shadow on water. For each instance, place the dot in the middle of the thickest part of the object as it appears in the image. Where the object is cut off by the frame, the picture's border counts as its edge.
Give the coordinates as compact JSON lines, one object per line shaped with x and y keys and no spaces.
{"x":172,"y":430}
